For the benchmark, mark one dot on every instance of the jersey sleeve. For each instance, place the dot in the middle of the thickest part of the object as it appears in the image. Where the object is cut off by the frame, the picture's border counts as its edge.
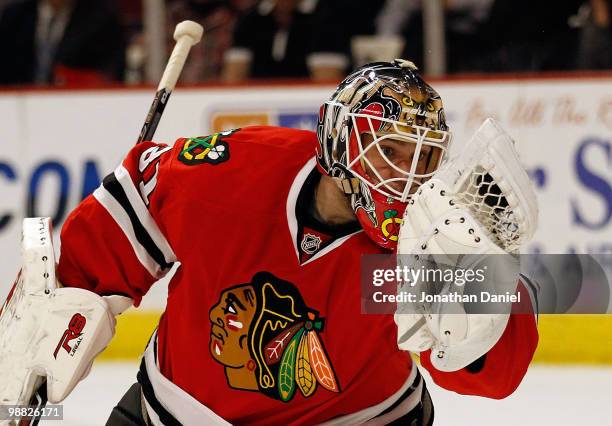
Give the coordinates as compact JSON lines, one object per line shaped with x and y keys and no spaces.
{"x":114,"y":242}
{"x":499,"y":372}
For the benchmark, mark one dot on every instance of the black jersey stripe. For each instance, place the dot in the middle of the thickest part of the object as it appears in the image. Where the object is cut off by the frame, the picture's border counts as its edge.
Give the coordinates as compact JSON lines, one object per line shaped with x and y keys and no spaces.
{"x":411,"y":389}
{"x":114,"y":188}
{"x":149,"y":393}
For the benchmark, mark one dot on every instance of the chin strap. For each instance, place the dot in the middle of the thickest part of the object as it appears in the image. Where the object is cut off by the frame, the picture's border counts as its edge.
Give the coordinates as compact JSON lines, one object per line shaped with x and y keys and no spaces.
{"x":349,"y":186}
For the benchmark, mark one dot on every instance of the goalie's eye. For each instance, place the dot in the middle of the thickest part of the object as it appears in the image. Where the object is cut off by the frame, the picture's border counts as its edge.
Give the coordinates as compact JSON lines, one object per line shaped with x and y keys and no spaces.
{"x":387,"y":151}
{"x":401,"y":153}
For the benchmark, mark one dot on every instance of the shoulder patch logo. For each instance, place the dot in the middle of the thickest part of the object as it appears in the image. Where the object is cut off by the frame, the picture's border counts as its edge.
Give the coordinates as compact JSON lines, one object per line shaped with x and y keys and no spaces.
{"x":209,"y":149}
{"x":268,"y":340}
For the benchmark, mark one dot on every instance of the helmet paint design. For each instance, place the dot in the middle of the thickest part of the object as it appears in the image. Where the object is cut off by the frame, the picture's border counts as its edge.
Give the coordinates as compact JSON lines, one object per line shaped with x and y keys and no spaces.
{"x":381,"y":134}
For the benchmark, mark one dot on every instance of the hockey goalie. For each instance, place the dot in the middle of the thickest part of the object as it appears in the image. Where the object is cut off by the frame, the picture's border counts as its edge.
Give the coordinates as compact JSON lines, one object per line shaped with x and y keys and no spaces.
{"x":263,"y":322}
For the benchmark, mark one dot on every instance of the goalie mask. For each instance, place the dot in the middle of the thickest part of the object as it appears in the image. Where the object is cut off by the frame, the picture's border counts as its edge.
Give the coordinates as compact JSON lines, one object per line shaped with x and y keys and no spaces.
{"x":381,"y":135}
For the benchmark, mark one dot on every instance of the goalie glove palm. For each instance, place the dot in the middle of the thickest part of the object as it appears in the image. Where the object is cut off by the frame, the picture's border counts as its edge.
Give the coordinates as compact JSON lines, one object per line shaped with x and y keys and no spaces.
{"x":480,"y":204}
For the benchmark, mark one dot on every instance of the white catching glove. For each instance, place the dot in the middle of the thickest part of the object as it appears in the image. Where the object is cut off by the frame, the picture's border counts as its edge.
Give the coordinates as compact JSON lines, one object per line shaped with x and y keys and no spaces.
{"x":478,"y":204}
{"x":49,"y":333}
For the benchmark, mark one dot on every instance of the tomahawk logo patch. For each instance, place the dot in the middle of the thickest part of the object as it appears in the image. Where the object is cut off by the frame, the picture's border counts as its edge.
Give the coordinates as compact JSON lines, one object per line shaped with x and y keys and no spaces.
{"x":211,"y":149}
{"x":268,"y":340}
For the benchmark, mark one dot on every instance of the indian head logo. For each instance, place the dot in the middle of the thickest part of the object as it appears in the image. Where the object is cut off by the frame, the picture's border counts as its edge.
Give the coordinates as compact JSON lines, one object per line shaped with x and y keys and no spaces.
{"x":269,"y":341}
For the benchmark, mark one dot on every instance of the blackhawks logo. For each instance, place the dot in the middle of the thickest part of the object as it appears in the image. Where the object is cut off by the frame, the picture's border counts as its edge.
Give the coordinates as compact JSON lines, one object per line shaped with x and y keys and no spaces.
{"x":391,"y":225}
{"x":209,"y":149}
{"x":268,"y":340}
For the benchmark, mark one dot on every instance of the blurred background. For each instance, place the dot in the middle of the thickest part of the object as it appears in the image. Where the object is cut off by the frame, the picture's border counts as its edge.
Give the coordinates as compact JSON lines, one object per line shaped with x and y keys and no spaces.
{"x":77,"y":79}
{"x":68,"y":42}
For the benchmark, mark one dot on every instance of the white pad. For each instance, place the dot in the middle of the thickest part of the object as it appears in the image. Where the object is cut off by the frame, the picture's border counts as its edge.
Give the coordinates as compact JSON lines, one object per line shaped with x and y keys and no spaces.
{"x":488,"y":167}
{"x":49,"y":333}
{"x":478,"y":204}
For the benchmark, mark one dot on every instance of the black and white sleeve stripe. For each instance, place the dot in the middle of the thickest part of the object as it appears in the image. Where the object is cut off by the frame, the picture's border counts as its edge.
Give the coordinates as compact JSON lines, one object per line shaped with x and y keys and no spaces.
{"x":121,"y":199}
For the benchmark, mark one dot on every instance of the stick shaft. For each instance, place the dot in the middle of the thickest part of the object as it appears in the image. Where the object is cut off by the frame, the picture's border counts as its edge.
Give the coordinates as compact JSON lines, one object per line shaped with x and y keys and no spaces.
{"x":155,"y":112}
{"x":166,"y":85}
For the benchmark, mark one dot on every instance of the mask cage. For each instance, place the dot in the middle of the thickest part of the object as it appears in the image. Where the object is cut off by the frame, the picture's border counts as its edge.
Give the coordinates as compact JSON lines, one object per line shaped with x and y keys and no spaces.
{"x":418,"y":135}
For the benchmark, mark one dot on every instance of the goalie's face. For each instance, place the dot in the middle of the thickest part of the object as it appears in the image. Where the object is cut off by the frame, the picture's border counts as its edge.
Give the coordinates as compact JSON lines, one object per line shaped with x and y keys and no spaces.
{"x":392,"y":163}
{"x":392,"y":157}
{"x":382,"y":134}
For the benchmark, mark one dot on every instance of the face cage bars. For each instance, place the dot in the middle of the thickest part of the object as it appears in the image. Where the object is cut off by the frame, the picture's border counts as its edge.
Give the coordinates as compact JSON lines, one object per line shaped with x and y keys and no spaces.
{"x":420,"y":139}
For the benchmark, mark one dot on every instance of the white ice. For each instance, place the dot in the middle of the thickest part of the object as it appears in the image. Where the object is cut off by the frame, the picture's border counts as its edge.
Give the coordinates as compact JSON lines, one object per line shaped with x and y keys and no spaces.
{"x":548,"y":396}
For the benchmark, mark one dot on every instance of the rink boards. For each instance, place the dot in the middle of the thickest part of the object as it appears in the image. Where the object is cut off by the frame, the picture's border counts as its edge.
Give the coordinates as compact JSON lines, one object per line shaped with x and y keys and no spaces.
{"x":57,"y":145}
{"x":567,"y":339}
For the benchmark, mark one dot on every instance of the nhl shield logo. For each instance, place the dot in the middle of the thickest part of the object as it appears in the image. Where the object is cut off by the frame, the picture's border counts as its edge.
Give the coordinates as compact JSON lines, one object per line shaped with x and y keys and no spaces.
{"x":310,"y":243}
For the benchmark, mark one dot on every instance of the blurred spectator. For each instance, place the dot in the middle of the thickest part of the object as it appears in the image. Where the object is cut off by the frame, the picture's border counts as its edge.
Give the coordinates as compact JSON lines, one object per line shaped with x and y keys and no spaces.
{"x":464,"y":20}
{"x":356,"y":18}
{"x":289,"y":38}
{"x":61,"y":42}
{"x":595,"y":50}
{"x":403,"y":18}
{"x":3,"y":3}
{"x":219,"y":18}
{"x":528,"y":35}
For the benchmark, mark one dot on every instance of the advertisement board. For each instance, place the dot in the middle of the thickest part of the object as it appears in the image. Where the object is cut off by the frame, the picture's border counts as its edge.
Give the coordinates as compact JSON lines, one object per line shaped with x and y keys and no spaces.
{"x":56,"y":146}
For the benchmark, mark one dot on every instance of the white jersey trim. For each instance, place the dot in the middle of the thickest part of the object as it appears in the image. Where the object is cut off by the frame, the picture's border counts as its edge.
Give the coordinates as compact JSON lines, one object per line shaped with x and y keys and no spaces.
{"x":187,"y":410}
{"x":121,"y":218}
{"x":123,"y":176}
{"x":330,"y":247}
{"x":145,"y":221}
{"x":368,"y":416}
{"x":292,"y":221}
{"x":182,"y":406}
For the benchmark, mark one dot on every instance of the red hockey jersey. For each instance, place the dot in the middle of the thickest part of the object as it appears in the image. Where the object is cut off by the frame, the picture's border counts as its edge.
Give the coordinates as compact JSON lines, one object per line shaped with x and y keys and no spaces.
{"x":263,"y":321}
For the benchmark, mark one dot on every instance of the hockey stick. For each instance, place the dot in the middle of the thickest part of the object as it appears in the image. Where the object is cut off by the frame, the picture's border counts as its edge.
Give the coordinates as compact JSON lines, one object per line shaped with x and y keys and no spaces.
{"x":186,"y":34}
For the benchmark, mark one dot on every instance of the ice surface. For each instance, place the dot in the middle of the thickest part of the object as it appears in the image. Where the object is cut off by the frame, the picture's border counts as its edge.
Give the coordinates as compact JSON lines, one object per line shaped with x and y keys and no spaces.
{"x":548,"y":396}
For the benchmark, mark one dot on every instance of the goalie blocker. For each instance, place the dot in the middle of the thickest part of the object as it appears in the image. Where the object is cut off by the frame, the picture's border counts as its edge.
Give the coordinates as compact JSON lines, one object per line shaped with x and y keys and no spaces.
{"x":49,"y":333}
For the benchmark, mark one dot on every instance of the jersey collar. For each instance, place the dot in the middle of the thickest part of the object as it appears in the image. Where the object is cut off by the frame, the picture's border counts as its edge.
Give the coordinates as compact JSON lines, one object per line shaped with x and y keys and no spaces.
{"x":294,"y":225}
